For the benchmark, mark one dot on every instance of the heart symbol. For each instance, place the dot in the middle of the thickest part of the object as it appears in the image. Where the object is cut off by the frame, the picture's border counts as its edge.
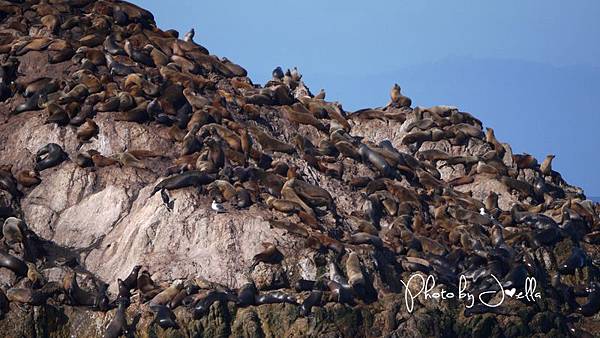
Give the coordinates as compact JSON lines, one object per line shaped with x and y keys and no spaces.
{"x":510,"y":292}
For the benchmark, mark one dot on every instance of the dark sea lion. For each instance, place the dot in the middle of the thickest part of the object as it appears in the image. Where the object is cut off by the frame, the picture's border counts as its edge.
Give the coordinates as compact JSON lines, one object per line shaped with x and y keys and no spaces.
{"x":275,"y":297}
{"x":118,"y":325}
{"x":576,"y":260}
{"x":31,"y":103}
{"x":8,"y":183}
{"x":188,"y":178}
{"x":202,"y":307}
{"x":49,"y":156}
{"x":164,"y":317}
{"x":78,"y":296}
{"x":314,"y":299}
{"x":13,"y":263}
{"x":246,"y":295}
{"x":592,"y":306}
{"x":304,"y":285}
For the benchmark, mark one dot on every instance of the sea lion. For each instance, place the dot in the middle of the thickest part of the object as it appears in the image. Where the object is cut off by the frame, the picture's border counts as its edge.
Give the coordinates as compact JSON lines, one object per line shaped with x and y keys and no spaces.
{"x":13,"y":263}
{"x":188,"y":178}
{"x":355,"y":275}
{"x":118,"y":325}
{"x":78,"y":296}
{"x":146,"y":285}
{"x":8,"y":183}
{"x":13,"y":230}
{"x":546,"y":166}
{"x":313,"y":299}
{"x":165,"y":296}
{"x":49,"y":156}
{"x":28,"y":178}
{"x":525,"y":161}
{"x":246,"y":295}
{"x":369,"y":156}
{"x":34,"y":276}
{"x":275,"y":297}
{"x":87,"y":130}
{"x":397,"y":99}
{"x":164,"y":317}
{"x":202,"y":307}
{"x":269,"y":143}
{"x":270,"y":255}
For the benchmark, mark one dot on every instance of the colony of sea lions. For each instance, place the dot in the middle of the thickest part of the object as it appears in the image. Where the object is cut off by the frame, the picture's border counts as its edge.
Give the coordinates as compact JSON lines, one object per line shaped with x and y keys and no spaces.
{"x":279,"y":147}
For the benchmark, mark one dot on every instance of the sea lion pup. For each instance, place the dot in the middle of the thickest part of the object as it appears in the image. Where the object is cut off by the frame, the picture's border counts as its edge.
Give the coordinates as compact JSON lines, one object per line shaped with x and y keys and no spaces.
{"x":118,"y":325}
{"x":188,"y":178}
{"x":28,"y":178}
{"x":397,"y":99}
{"x":270,"y":255}
{"x":165,"y":296}
{"x":49,"y":156}
{"x":34,"y":276}
{"x":13,"y":263}
{"x":546,"y":166}
{"x":78,"y":296}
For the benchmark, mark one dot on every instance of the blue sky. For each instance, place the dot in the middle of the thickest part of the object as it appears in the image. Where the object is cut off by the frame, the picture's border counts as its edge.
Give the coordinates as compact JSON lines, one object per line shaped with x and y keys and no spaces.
{"x":529,"y":69}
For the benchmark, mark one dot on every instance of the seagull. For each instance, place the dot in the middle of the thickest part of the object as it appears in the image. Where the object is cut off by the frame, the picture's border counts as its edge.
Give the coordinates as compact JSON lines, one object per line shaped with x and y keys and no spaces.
{"x":218,"y":207}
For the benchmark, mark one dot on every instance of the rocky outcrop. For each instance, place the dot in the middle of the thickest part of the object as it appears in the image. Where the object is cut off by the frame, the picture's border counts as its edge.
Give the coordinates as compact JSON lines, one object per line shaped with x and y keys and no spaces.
{"x":323,"y":207}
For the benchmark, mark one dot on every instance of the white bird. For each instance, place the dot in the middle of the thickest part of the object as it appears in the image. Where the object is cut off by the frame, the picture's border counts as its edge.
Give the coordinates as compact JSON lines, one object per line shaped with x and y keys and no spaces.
{"x":482,"y":211}
{"x":217,"y":207}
